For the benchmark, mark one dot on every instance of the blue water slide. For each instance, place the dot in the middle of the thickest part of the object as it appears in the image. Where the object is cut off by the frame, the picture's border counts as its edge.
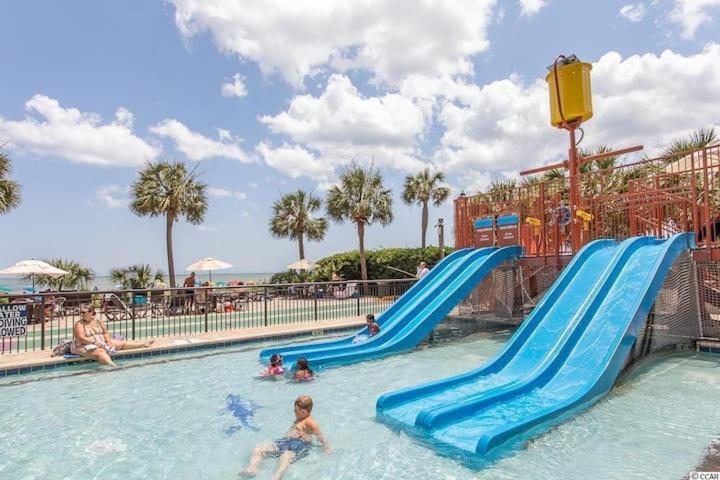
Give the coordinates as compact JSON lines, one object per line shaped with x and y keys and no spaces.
{"x":413,"y":321}
{"x":582,"y":365}
{"x":535,"y":337}
{"x":441,"y":268}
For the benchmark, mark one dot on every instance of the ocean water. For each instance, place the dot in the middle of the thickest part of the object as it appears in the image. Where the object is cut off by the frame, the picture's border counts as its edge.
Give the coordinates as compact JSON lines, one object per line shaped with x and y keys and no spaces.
{"x":168,"y":417}
{"x":17,"y":284}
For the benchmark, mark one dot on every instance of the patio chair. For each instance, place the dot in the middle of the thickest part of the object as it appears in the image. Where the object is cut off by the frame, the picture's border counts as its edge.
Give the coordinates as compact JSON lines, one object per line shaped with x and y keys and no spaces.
{"x":349,"y":292}
{"x":73,"y":300}
{"x":158,"y":303}
{"x":58,"y":310}
{"x":115,"y":309}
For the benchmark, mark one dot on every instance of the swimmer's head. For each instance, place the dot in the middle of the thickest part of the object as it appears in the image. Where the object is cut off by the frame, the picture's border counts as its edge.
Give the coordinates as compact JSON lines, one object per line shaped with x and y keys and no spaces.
{"x":303,"y":406}
{"x":370,"y":318}
{"x":302,"y":364}
{"x":276,"y":359}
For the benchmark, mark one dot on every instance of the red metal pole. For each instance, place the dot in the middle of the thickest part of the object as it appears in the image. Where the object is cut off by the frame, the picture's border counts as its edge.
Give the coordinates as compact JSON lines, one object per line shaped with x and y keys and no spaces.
{"x":574,"y":189}
{"x":708,"y":231}
{"x":694,"y":203}
{"x":658,"y":209}
{"x":543,"y":231}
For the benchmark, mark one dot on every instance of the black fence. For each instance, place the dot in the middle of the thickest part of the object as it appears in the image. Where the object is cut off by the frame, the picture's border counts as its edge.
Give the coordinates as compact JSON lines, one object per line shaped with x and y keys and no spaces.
{"x":156,"y":313}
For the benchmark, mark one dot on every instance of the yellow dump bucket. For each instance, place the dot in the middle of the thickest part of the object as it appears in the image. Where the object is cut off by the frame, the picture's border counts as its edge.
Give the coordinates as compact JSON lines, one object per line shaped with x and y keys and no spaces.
{"x":575,"y":94}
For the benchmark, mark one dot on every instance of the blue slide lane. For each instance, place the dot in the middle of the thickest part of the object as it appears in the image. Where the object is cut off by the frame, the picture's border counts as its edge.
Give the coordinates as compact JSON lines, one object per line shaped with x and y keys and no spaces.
{"x":413,"y":316}
{"x":441,"y":268}
{"x":566,"y":355}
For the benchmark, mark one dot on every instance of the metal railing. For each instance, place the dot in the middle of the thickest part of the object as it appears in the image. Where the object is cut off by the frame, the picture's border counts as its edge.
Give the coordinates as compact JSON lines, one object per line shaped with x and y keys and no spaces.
{"x":156,"y":313}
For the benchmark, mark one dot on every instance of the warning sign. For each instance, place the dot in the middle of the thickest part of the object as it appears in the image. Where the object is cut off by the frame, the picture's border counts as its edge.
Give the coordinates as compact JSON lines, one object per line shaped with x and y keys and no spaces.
{"x":13,"y":320}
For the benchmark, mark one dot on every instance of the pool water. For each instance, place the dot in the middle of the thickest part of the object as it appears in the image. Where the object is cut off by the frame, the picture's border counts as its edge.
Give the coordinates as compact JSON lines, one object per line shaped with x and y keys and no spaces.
{"x":168,"y":418}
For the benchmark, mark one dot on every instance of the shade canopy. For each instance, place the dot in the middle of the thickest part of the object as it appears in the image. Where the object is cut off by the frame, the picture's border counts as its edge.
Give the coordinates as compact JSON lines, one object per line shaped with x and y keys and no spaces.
{"x":695,"y":161}
{"x":33,"y":267}
{"x":209,"y":264}
{"x":303,"y":264}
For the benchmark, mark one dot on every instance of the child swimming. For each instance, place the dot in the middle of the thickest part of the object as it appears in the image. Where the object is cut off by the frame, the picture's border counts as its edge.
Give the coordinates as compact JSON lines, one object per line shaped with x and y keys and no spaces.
{"x":275,"y":369}
{"x":294,"y":445}
{"x":303,"y":372}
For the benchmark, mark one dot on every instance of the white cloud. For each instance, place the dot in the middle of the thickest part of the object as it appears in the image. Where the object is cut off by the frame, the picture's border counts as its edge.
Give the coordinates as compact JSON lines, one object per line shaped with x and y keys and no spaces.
{"x":226,"y":193}
{"x":111,"y":196}
{"x":199,"y":147}
{"x":342,"y":125}
{"x":245,"y":214}
{"x":224,"y":135}
{"x":633,"y":12}
{"x":254,"y":184}
{"x":206,"y":228}
{"x":528,"y":8}
{"x":295,"y":162}
{"x":644,"y":99}
{"x":236,"y":88}
{"x":691,"y":14}
{"x":51,"y":130}
{"x":299,"y":38}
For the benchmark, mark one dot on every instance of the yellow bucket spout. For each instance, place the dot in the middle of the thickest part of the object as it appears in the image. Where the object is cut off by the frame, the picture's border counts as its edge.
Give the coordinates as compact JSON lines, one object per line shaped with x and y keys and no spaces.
{"x":573,"y":82}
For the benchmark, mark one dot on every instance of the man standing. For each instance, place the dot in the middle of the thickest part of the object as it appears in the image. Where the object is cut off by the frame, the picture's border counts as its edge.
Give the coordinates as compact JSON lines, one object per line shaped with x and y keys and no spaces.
{"x":189,"y":285}
{"x":422,"y":270}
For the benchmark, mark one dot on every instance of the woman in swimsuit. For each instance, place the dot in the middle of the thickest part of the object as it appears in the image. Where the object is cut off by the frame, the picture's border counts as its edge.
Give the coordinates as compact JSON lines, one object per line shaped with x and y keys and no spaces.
{"x":92,"y":340}
{"x":294,"y":445}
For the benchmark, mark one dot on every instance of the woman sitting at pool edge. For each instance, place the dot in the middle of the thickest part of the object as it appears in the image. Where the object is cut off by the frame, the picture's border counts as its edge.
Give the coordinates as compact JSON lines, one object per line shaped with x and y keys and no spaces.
{"x":92,"y":340}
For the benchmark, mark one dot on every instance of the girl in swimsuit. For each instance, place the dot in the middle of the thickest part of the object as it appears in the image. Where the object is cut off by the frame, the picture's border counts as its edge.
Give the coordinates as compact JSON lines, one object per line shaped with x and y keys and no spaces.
{"x":275,"y":369}
{"x":92,"y":340}
{"x":294,"y":445}
{"x":303,"y":372}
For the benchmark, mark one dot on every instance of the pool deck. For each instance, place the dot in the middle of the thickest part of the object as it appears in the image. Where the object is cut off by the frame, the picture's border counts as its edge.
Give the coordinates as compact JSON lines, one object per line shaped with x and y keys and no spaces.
{"x":29,"y":361}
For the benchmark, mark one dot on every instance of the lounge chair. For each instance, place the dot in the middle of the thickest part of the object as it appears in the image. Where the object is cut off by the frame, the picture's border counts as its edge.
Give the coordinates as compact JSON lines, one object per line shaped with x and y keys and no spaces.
{"x":115,"y":309}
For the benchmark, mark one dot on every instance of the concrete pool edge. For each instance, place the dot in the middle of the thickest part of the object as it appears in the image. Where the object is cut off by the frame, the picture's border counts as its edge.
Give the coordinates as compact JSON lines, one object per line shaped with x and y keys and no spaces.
{"x":17,"y":364}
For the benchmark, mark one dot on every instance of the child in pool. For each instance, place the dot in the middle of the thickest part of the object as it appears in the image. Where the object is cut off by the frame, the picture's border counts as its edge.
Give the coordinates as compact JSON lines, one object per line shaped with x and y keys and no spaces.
{"x":275,"y":368}
{"x":294,"y":445}
{"x":372,"y":326}
{"x":303,"y":372}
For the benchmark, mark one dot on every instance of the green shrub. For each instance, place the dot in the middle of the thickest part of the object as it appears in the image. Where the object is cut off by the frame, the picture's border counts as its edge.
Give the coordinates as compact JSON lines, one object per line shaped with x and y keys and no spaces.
{"x":290,"y":277}
{"x":348,"y":264}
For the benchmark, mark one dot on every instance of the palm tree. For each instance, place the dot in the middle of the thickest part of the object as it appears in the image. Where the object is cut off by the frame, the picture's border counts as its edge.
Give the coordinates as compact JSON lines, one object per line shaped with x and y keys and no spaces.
{"x":136,"y":276}
{"x":9,"y":190}
{"x":695,"y":140}
{"x":168,"y":189}
{"x":360,"y":197}
{"x":423,"y":188}
{"x":78,"y":276}
{"x":292,"y":218}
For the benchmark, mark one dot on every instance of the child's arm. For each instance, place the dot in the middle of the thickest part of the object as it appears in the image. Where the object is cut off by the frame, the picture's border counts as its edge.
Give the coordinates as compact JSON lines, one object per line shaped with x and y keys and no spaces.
{"x":315,"y":428}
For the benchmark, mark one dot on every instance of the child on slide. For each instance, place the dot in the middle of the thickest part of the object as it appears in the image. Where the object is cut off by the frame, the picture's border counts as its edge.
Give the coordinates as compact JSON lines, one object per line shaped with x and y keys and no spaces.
{"x":372,"y":326}
{"x":373,"y":329}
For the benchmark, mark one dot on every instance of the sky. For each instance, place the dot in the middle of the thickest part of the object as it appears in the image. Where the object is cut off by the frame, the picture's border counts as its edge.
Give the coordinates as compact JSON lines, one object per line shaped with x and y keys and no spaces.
{"x":267,"y":97}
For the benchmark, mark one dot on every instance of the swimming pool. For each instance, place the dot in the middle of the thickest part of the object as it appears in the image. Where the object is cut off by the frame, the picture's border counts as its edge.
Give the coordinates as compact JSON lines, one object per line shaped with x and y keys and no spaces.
{"x":168,"y":419}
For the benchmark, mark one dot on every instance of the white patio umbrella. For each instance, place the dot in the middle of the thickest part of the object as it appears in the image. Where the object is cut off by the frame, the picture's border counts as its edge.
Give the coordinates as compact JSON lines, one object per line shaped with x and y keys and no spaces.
{"x":209,"y":264}
{"x":32,"y":268}
{"x":303,"y":264}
